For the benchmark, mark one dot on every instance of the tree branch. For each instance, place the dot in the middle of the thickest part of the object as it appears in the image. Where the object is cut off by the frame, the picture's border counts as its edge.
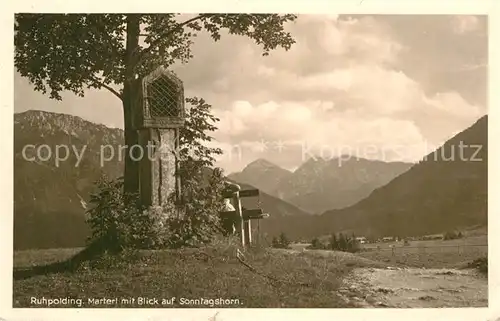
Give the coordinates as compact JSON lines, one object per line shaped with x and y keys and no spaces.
{"x":113,"y":91}
{"x":99,"y":83}
{"x":143,"y":54}
{"x":102,"y":83}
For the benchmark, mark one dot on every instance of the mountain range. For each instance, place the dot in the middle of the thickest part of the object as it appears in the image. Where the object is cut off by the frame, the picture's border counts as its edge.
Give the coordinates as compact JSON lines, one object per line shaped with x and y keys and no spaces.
{"x":365,"y":196}
{"x":319,"y":185}
{"x":446,"y":190}
{"x":50,"y":199}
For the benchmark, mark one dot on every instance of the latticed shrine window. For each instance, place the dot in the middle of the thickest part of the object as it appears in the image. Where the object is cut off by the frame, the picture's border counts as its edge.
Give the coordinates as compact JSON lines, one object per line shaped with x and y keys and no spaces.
{"x":162,"y":101}
{"x":164,"y":95}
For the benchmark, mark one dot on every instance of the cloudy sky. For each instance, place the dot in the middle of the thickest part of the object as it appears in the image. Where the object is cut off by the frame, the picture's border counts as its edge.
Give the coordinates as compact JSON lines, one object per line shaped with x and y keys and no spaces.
{"x":385,"y":87}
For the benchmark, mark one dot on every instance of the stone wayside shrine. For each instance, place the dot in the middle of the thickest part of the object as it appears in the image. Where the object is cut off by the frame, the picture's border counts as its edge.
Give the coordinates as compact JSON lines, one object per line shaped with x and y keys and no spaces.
{"x":160,"y":115}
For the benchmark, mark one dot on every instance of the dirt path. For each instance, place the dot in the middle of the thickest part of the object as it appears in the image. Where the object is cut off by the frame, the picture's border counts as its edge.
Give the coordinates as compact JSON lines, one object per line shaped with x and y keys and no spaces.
{"x":374,"y":284}
{"x":415,"y":288}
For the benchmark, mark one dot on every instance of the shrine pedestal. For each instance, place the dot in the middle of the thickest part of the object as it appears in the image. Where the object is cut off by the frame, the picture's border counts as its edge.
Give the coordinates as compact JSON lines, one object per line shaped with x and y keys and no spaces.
{"x":158,"y":166}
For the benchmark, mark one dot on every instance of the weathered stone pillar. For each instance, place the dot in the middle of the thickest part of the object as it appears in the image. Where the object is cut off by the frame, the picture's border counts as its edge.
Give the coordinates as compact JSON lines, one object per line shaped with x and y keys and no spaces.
{"x":158,"y":123}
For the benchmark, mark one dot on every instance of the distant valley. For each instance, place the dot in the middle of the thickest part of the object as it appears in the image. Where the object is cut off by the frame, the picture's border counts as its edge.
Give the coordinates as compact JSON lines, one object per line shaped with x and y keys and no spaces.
{"x":438,"y":194}
{"x":363,"y":196}
{"x":50,"y":200}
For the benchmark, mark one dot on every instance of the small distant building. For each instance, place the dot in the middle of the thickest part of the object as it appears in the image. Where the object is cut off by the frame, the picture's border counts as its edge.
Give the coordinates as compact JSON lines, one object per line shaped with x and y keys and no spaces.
{"x":388,"y":239}
{"x":361,"y":239}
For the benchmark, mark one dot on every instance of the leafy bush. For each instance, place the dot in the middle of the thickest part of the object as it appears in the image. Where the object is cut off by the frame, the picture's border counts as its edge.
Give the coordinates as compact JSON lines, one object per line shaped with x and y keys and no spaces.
{"x":480,"y":264}
{"x":122,"y":222}
{"x":316,"y":244}
{"x":452,"y":235}
{"x":199,"y":222}
{"x":202,"y":187}
{"x":344,"y":243}
{"x":118,"y":220}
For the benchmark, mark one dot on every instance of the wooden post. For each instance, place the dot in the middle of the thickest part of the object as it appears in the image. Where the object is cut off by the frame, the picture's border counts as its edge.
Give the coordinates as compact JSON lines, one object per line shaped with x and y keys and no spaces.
{"x":248,"y":231}
{"x":258,"y":233}
{"x":239,"y":214}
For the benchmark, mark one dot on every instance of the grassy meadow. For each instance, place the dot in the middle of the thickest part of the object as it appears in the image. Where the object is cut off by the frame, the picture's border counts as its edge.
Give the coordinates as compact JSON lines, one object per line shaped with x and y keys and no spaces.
{"x":273,"y":279}
{"x":429,"y":254}
{"x":266,"y":278}
{"x":424,"y":254}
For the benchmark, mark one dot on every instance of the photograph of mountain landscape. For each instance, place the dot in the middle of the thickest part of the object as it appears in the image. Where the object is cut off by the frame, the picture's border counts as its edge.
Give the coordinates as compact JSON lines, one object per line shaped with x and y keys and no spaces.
{"x":250,"y":160}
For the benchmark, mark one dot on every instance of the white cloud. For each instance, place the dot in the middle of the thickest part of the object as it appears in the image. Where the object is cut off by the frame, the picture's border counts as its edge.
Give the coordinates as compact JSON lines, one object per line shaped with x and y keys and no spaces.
{"x":265,"y":71}
{"x":340,"y":83}
{"x":336,"y":89}
{"x":267,"y":109}
{"x":307,"y":121}
{"x":341,"y":79}
{"x":370,"y":40}
{"x":452,"y":103}
{"x":380,"y":119}
{"x":231,"y":123}
{"x":373,"y":87}
{"x":242,"y":108}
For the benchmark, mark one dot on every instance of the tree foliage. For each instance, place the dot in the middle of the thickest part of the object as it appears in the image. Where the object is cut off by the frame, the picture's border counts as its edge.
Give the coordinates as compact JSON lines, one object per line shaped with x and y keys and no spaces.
{"x":344,"y":243}
{"x":74,"y":52}
{"x":337,"y":242}
{"x":193,"y":153}
{"x":316,"y":244}
{"x":452,"y":235}
{"x":281,"y":242}
{"x":200,"y":222}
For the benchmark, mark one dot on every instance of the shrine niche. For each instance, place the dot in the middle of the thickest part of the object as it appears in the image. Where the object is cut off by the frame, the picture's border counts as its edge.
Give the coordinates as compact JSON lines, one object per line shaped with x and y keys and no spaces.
{"x":160,"y":115}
